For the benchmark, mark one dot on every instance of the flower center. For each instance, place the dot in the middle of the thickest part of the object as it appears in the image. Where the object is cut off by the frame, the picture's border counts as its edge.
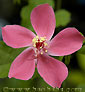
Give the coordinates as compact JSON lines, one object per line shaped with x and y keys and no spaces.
{"x":40,"y":43}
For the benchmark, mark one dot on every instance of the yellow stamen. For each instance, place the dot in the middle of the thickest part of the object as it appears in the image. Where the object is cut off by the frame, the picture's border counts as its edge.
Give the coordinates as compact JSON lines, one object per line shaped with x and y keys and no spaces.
{"x":39,"y":39}
{"x":37,"y":36}
{"x":40,"y":47}
{"x":42,"y":39}
{"x":34,"y":45}
{"x":34,"y":40}
{"x":45,"y":44}
{"x":41,"y":53}
{"x":46,"y":50}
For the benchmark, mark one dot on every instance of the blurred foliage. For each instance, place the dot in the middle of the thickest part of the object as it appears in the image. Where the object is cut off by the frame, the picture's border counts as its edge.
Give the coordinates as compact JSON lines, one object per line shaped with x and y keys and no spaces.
{"x":63,"y":17}
{"x":67,"y":59}
{"x":81,"y":58}
{"x":7,"y":55}
{"x":82,"y":50}
{"x":75,"y":78}
{"x":4,"y":69}
{"x":26,"y":17}
{"x":82,"y":86}
{"x":60,"y":58}
{"x":34,"y":3}
{"x":16,"y":1}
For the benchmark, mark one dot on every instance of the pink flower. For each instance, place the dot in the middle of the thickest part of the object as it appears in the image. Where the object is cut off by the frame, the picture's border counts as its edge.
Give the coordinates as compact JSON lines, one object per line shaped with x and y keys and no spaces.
{"x":53,"y":71}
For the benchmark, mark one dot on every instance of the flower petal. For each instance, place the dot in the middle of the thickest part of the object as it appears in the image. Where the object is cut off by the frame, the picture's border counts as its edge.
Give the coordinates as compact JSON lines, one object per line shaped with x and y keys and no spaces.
{"x":43,"y":20}
{"x":66,"y":42}
{"x":17,"y":36}
{"x":53,"y":71}
{"x":23,"y":66}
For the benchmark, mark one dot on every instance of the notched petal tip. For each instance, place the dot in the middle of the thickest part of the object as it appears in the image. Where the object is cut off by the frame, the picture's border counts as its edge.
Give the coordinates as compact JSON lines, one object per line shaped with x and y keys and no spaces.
{"x":9,"y":76}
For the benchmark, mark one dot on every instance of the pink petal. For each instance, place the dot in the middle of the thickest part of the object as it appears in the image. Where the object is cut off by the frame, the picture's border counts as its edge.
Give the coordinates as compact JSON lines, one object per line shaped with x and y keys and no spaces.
{"x":54,"y":72}
{"x":17,"y":36}
{"x":23,"y":66}
{"x":66,"y":42}
{"x":43,"y":20}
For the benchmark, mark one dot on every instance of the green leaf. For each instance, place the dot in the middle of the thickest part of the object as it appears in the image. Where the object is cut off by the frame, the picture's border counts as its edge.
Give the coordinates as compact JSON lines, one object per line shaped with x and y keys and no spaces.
{"x":38,"y":2}
{"x":81,"y":58}
{"x":16,"y":1}
{"x":63,"y":17}
{"x":82,"y":50}
{"x":25,"y":23}
{"x":84,"y":42}
{"x":4,"y":69}
{"x":75,"y":78}
{"x":25,"y":17}
{"x":60,"y":58}
{"x":7,"y":55}
{"x":25,"y":12}
{"x":67,"y":59}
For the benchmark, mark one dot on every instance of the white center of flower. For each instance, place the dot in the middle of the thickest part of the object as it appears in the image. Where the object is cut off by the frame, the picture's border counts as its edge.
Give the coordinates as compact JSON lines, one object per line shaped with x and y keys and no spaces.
{"x":40,"y":43}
